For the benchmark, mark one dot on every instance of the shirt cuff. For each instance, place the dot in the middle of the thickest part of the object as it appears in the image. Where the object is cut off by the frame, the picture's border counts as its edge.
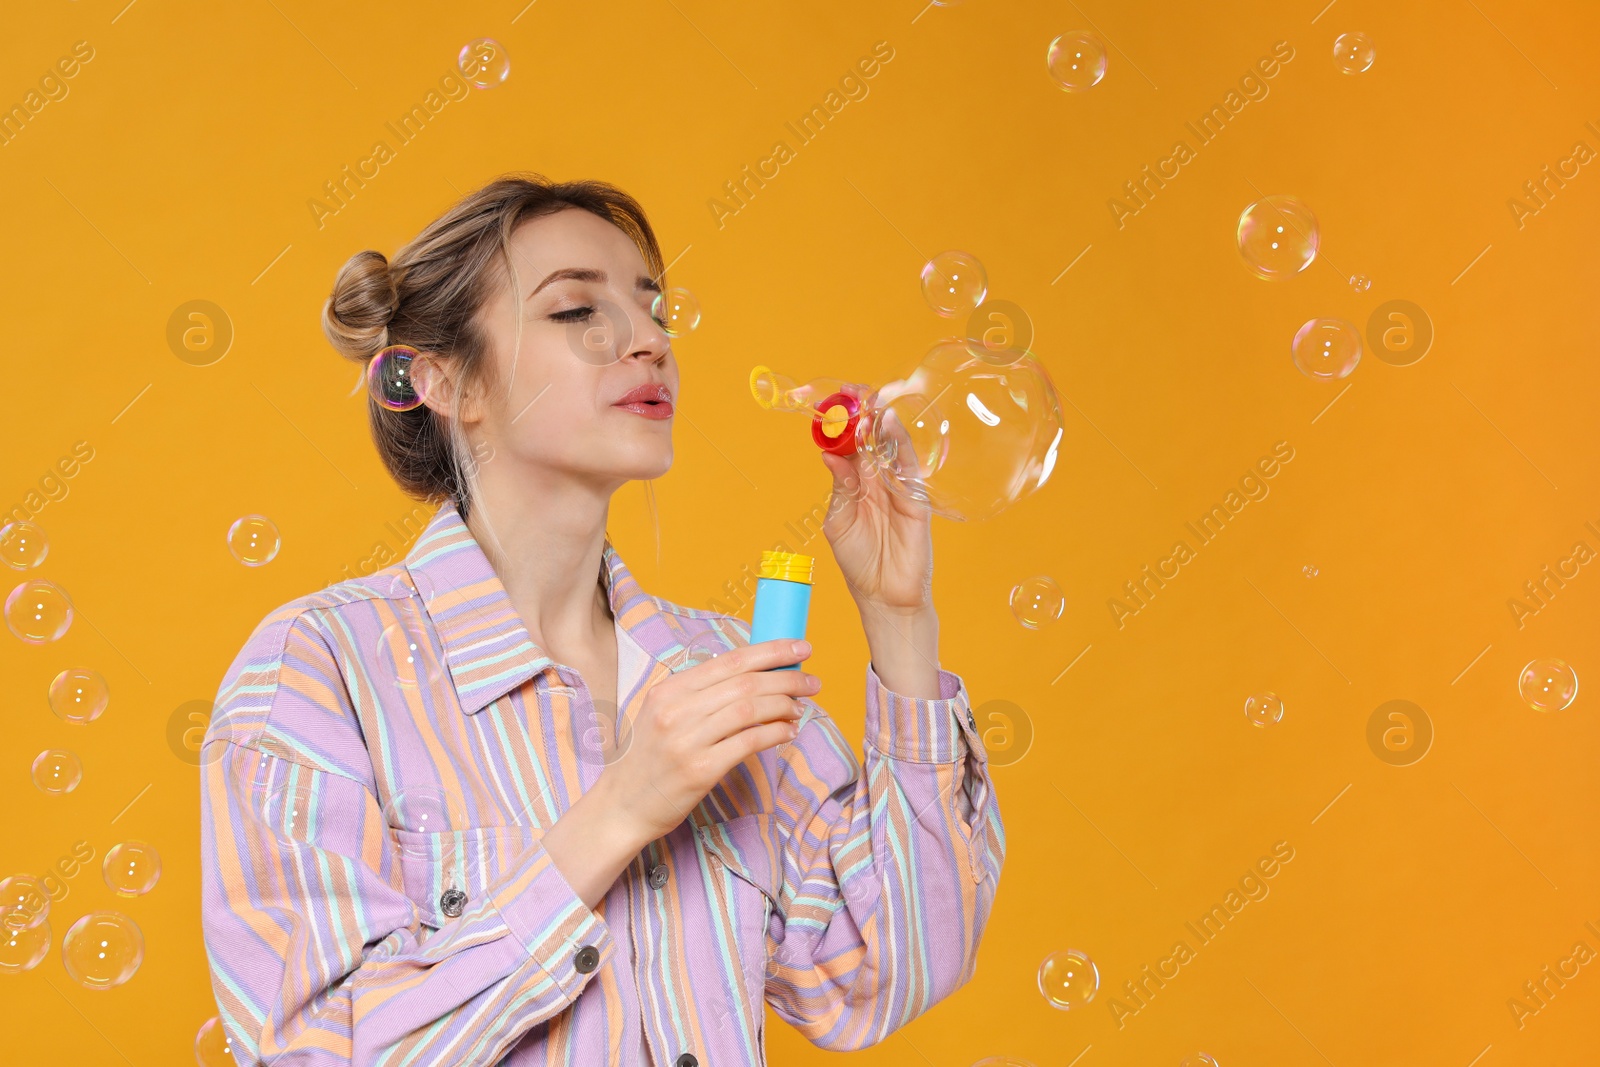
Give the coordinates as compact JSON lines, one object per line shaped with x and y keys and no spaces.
{"x":921,"y":729}
{"x":558,"y":930}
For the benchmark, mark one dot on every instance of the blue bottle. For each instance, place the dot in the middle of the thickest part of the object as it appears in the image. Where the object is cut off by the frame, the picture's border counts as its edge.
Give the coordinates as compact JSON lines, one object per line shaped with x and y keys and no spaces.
{"x":783,"y":598}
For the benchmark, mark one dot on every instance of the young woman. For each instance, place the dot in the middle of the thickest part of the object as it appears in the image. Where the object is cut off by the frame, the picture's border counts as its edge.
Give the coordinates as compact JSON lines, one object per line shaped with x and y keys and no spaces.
{"x":486,"y":806}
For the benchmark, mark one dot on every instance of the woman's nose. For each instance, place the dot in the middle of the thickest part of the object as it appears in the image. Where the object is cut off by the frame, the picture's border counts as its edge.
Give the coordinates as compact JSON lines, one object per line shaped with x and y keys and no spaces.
{"x":650,"y":342}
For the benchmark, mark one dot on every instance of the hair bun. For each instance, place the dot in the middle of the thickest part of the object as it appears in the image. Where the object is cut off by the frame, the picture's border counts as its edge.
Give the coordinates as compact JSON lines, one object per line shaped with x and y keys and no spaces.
{"x":356,"y":316}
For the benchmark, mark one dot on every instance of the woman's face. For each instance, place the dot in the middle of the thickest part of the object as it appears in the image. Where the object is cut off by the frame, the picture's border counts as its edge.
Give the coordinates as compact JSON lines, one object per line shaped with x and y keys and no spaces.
{"x":589,"y":389}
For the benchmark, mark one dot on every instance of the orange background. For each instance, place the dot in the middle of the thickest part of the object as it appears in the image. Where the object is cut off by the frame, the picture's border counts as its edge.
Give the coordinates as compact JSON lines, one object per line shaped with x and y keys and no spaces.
{"x":179,"y":168}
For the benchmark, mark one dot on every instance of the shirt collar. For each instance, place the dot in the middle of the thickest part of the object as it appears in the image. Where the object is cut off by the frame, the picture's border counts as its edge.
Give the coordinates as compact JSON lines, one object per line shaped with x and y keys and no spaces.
{"x":486,"y":646}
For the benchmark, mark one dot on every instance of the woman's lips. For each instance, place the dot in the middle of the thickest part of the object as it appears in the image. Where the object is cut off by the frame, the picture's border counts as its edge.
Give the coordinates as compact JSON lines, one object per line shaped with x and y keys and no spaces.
{"x":651,"y":401}
{"x":660,"y":409}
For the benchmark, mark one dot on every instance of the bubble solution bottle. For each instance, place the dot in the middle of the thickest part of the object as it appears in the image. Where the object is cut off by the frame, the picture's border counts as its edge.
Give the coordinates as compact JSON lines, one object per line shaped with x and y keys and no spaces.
{"x":969,"y":433}
{"x":783,"y":598}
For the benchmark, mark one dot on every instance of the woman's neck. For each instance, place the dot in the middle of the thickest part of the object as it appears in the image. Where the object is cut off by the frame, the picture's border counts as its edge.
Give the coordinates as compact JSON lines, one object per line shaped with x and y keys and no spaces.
{"x":546,"y":544}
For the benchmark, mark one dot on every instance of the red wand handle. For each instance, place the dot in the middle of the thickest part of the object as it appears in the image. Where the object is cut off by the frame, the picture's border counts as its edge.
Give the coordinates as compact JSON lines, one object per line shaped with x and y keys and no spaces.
{"x":835,"y":430}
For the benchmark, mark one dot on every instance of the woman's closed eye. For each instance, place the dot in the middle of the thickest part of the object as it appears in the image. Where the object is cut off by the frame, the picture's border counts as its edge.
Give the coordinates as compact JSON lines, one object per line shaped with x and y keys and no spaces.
{"x":577,"y":314}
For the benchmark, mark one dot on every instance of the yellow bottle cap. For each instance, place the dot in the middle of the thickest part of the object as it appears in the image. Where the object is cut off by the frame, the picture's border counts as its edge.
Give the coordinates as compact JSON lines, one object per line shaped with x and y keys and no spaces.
{"x":787,"y":566}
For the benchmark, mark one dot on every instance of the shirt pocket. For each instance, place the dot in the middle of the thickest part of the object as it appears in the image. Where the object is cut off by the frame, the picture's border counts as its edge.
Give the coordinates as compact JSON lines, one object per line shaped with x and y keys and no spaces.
{"x":750,"y":891}
{"x":446,"y":874}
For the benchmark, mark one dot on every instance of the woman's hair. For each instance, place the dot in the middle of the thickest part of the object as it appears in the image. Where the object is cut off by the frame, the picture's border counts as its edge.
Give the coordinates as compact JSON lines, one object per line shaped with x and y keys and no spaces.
{"x":429,"y":296}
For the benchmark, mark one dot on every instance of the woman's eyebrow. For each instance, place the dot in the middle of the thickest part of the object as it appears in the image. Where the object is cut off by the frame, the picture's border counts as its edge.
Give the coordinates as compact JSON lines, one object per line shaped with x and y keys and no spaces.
{"x":579,"y":274}
{"x":590,"y":274}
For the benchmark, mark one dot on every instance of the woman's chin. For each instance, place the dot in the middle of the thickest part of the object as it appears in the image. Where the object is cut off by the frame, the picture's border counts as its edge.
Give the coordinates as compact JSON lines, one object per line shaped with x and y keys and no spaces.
{"x":648,"y":467}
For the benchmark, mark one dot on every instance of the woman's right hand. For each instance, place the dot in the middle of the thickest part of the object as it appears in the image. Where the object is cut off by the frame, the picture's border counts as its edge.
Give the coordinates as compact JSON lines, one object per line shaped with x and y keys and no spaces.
{"x":697,"y":725}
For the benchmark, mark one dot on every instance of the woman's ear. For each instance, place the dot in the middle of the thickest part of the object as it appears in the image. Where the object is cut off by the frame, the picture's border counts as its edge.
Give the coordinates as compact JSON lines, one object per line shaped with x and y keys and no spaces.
{"x":443,"y":391}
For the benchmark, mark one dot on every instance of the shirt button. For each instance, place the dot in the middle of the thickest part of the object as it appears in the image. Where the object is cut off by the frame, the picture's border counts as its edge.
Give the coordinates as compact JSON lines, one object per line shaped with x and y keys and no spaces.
{"x":659,"y":875}
{"x":452,"y":901}
{"x":686,"y":1060}
{"x":971,"y":720}
{"x":588,"y":959}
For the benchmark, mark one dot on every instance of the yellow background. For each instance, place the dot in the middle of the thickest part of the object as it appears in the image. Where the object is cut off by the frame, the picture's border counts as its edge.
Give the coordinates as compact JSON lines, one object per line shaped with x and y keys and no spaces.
{"x":180,"y":166}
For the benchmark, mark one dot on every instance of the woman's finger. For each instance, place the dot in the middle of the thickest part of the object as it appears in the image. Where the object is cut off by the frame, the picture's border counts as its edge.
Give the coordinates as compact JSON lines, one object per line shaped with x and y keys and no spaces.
{"x":735,"y":749}
{"x":847,"y":487}
{"x":752,"y":685}
{"x":761,"y":656}
{"x":743,"y":714}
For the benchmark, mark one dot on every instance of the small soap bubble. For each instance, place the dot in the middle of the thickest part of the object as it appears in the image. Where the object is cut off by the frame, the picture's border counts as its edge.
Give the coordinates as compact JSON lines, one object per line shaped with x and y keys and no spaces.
{"x":212,"y":1046}
{"x":57,"y":771}
{"x":394,"y":380}
{"x":22,"y":947}
{"x":132,"y":868}
{"x":404,"y":585}
{"x":1548,"y":685}
{"x":954,"y":283}
{"x":1077,"y":60}
{"x":703,"y":647}
{"x":24,"y":902}
{"x":1278,"y":237}
{"x":287,"y":806}
{"x":23,"y":545}
{"x":677,"y":311}
{"x":423,"y":821}
{"x":1326,"y":349}
{"x":1310,"y":570}
{"x":1360,"y":282}
{"x":79,"y":695}
{"x":38,"y":612}
{"x":1353,"y":53}
{"x":422,"y":810}
{"x":254,"y":540}
{"x":484,"y":62}
{"x":1068,"y":979}
{"x":102,"y":950}
{"x":1263,"y":709}
{"x":1199,"y":1059}
{"x":407,"y":654}
{"x":1037,"y":602}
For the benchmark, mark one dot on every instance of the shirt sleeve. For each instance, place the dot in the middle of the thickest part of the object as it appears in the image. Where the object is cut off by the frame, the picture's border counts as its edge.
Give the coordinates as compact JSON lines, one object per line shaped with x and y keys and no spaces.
{"x":890,"y":867}
{"x":318,"y":957}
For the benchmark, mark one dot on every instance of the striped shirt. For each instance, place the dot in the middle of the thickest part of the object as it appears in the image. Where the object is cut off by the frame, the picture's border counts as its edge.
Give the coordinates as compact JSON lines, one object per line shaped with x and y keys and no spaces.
{"x":382,"y":758}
